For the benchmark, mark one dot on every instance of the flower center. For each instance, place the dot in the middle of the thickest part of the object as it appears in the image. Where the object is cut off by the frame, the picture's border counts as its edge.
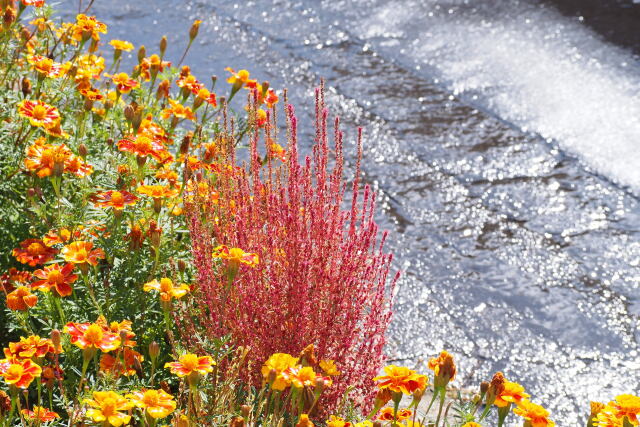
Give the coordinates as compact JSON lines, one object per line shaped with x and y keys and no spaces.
{"x":108,"y":407}
{"x":190,"y":362}
{"x":117,"y":198}
{"x":55,"y":276}
{"x":94,"y":334}
{"x":14,"y":372}
{"x":39,"y":112}
{"x":151,"y":398}
{"x":35,"y":248}
{"x":166,"y":285}
{"x":143,"y":144}
{"x":45,"y":65}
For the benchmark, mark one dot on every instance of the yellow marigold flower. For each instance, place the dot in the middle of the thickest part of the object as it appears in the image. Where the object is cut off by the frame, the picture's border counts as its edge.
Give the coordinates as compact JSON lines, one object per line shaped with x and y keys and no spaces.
{"x":304,"y":421}
{"x":47,"y":67}
{"x":157,"y":191}
{"x":627,"y":405}
{"x":329,"y":368}
{"x":278,"y":363}
{"x":444,"y":369}
{"x":400,"y":379}
{"x":595,"y":407}
{"x":335,"y":421}
{"x":21,"y":299}
{"x":534,"y":414}
{"x":190,"y":363}
{"x":157,"y":403}
{"x":113,"y":199}
{"x":32,"y":346}
{"x":40,"y":114}
{"x":178,"y":110}
{"x":121,"y":45}
{"x":108,"y":406}
{"x":471,"y":424}
{"x":114,"y":364}
{"x":512,"y":393}
{"x":235,"y":256}
{"x":367,"y":423}
{"x":87,"y":27}
{"x":240,"y":78}
{"x":124,"y":83}
{"x":166,"y":289}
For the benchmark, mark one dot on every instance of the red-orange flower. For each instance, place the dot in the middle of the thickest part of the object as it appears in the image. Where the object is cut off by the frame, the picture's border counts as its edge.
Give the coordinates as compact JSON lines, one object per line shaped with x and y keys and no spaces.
{"x":512,"y":393}
{"x":47,"y":159}
{"x":81,"y":252}
{"x":386,"y":414}
{"x":142,"y":145}
{"x":113,"y":365}
{"x":114,"y":199}
{"x":53,"y":237}
{"x":29,"y":347}
{"x":535,"y":414}
{"x":11,"y":277}
{"x":39,"y":113}
{"x":55,"y":276}
{"x":21,"y":299}
{"x":34,"y":3}
{"x":39,"y":415}
{"x":189,"y":363}
{"x":124,"y":83}
{"x":400,"y":379}
{"x":87,"y":27}
{"x":444,"y":368}
{"x":166,"y":288}
{"x":119,"y":329}
{"x":235,"y":256}
{"x":19,"y":372}
{"x":240,"y":78}
{"x":92,"y":335}
{"x":178,"y":110}
{"x":34,"y":252}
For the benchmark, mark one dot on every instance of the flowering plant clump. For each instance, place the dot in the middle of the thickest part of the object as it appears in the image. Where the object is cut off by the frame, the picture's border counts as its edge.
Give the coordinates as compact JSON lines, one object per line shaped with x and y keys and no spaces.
{"x":150,"y":278}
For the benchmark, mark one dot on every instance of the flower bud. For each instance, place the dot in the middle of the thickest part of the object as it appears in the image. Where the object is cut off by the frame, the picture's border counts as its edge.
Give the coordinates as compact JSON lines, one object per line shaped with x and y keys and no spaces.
{"x":31,"y":192}
{"x":163,"y":89}
{"x":56,"y":340}
{"x":214,"y":79}
{"x":193,"y":32}
{"x":142,"y":53}
{"x":129,"y":112}
{"x":154,"y":350}
{"x":484,"y":386}
{"x":237,"y":422}
{"x":245,"y":410}
{"x":88,"y":104}
{"x":26,"y":86}
{"x":9,"y":16}
{"x":182,"y":265}
{"x":377,"y":424}
{"x":273,"y":374}
{"x":82,"y":150}
{"x":163,"y":45}
{"x":186,"y":141}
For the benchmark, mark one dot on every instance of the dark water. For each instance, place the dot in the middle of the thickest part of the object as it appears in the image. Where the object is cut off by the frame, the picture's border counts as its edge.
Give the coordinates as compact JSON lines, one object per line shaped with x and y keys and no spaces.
{"x":503,"y":139}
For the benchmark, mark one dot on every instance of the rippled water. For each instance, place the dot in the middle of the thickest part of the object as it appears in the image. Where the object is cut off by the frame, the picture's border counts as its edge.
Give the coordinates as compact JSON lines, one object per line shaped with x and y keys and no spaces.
{"x":503,"y":139}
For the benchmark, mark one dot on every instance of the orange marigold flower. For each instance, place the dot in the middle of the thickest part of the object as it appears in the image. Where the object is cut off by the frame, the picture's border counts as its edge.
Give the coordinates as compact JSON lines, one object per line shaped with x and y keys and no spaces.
{"x":109,"y":407}
{"x":148,"y":63}
{"x":55,"y":276}
{"x":92,"y":335}
{"x":39,"y":415}
{"x":157,"y":191}
{"x":21,"y":299}
{"x":240,"y":78}
{"x":627,"y":405}
{"x":113,"y":199}
{"x":92,"y":94}
{"x":535,"y":414}
{"x":29,"y":347}
{"x":235,"y":256}
{"x":400,"y":379}
{"x":157,"y":403}
{"x":168,"y":174}
{"x":512,"y":393}
{"x":47,"y":67}
{"x":276,"y":151}
{"x":471,"y":424}
{"x":124,"y":83}
{"x":114,"y":366}
{"x":299,"y":376}
{"x":386,"y":414}
{"x":207,"y":96}
{"x":271,"y":98}
{"x":53,"y":237}
{"x":189,"y":363}
{"x":178,"y":110}
{"x":335,"y":421}
{"x":118,"y":328}
{"x":444,"y":369}
{"x":19,"y":372}
{"x":143,"y":145}
{"x":261,"y":117}
{"x":121,"y":45}
{"x":304,"y":421}
{"x":39,"y":113}
{"x":80,"y":252}
{"x":329,"y":368}
{"x":47,"y":159}
{"x":87,"y":27}
{"x":34,"y":252}
{"x":190,"y":83}
{"x":277,"y":364}
{"x":166,"y":289}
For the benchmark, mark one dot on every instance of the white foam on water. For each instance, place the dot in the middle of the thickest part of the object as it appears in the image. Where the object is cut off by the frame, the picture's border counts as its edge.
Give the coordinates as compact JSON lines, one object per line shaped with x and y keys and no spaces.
{"x":531,"y":66}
